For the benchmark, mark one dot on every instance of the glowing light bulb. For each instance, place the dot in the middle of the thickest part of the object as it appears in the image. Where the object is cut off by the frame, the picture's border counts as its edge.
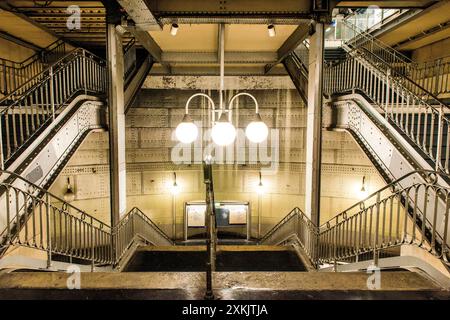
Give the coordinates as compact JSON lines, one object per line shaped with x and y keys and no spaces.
{"x":223,"y":132}
{"x":257,"y":130}
{"x":186,"y":131}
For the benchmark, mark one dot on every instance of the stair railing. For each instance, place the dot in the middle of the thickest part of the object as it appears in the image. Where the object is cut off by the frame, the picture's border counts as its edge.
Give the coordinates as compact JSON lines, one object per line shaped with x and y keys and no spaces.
{"x":407,"y":211}
{"x":136,"y":223}
{"x":37,"y":105}
{"x":35,"y":218}
{"x":14,"y":75}
{"x":295,"y":226}
{"x":390,"y":61}
{"x":433,"y":76}
{"x":426,"y":125}
{"x":357,"y":38}
{"x":129,"y":59}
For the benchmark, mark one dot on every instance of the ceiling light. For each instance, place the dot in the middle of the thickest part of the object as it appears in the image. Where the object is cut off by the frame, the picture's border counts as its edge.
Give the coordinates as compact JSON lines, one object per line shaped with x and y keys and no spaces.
{"x":186,"y":131}
{"x":174,"y":29}
{"x":223,"y":132}
{"x":271,"y":30}
{"x":257,"y":130}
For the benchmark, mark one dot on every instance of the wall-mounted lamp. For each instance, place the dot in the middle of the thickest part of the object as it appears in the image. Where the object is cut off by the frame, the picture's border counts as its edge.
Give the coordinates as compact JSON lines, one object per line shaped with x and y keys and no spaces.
{"x":174,"y":29}
{"x":69,"y":195}
{"x":271,"y":30}
{"x":363,"y":193}
{"x":260,"y":186}
{"x":175,"y":188}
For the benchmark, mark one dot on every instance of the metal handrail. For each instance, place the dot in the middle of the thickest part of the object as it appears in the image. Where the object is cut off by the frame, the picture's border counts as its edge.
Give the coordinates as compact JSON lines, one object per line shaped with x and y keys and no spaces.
{"x":390,"y":61}
{"x":14,"y":74}
{"x":423,"y":123}
{"x":403,"y":212}
{"x":31,"y":110}
{"x":38,"y":219}
{"x":136,"y":223}
{"x":35,"y":218}
{"x":361,"y":38}
{"x":298,"y":227}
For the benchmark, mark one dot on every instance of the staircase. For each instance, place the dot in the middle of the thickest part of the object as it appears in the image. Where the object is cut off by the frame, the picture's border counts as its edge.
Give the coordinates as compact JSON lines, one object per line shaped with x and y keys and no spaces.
{"x":16,"y":76}
{"x":42,"y":123}
{"x":237,"y":258}
{"x":404,"y":130}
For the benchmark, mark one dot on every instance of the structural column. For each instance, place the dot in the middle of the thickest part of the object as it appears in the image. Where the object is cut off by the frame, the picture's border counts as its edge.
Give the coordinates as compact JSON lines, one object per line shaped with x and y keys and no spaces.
{"x":314,"y":124}
{"x":116,"y":121}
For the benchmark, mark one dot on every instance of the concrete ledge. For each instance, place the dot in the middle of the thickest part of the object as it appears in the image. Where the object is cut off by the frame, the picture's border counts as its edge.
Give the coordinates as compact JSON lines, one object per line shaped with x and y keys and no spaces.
{"x":281,"y":281}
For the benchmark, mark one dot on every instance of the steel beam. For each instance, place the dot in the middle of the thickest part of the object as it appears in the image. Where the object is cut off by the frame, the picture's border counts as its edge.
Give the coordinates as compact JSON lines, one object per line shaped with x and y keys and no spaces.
{"x":116,"y":107}
{"x":291,"y":43}
{"x":257,"y":57}
{"x":141,"y":15}
{"x":229,"y":7}
{"x":314,"y":125}
{"x":19,"y":41}
{"x":7,"y":7}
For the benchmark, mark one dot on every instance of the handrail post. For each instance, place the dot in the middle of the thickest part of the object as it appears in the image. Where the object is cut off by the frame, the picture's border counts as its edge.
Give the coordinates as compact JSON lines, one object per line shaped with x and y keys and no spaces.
{"x":49,"y":238}
{"x":92,"y":246}
{"x":52,"y":93}
{"x":85,"y":72}
{"x":439,"y":138}
{"x":2,"y":157}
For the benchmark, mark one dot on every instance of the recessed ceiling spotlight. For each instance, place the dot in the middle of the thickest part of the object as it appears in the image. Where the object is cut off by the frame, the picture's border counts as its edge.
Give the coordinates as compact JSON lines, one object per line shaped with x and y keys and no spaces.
{"x":271,"y":30}
{"x":174,"y":29}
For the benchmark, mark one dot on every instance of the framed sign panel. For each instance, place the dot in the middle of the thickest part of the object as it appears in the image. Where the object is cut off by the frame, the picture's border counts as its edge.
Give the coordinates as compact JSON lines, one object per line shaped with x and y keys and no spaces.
{"x":231,"y":216}
{"x":196,"y":215}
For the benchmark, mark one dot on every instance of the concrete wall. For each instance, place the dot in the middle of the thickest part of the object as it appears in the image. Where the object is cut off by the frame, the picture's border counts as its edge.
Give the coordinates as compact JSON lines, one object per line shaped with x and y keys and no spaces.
{"x":150,"y":124}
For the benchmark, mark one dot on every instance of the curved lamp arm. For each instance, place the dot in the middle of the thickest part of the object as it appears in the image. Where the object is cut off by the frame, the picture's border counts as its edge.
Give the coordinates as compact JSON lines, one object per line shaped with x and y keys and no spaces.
{"x":230,"y":104}
{"x":196,"y":95}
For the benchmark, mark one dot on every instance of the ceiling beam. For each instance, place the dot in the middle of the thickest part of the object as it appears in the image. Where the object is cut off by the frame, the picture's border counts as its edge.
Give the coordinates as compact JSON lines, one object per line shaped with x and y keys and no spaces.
{"x":409,"y":4}
{"x":238,"y":57}
{"x":149,"y":44}
{"x":141,"y":15}
{"x":144,"y":21}
{"x":19,"y":41}
{"x":403,"y":45}
{"x":7,"y":7}
{"x":292,"y":42}
{"x":214,"y":71}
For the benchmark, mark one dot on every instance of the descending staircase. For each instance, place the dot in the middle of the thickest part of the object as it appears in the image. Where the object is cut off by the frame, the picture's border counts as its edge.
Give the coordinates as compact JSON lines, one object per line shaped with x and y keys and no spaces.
{"x":231,"y":258}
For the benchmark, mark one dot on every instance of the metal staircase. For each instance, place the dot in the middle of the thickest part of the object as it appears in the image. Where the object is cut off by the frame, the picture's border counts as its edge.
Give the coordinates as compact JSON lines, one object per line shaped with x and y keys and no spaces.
{"x":381,"y":227}
{"x":404,"y":129}
{"x":16,"y":76}
{"x":37,"y":219}
{"x":41,"y":125}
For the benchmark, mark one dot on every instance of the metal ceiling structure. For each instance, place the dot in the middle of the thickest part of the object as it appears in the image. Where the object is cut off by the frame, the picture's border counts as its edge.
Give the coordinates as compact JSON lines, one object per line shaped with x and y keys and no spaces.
{"x":194,"y":50}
